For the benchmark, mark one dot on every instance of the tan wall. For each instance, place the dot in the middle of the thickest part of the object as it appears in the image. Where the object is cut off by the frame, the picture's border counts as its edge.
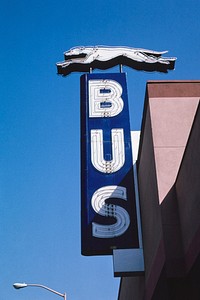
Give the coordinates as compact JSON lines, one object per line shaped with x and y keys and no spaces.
{"x":188,"y":196}
{"x":169,"y":202}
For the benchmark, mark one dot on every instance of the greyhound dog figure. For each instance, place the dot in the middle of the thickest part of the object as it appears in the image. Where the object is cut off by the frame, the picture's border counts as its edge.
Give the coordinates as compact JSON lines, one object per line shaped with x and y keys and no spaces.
{"x":104,"y":57}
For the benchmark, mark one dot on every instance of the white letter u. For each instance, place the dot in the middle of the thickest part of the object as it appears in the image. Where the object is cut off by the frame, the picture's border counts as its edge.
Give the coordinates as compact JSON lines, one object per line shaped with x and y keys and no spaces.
{"x":118,"y":152}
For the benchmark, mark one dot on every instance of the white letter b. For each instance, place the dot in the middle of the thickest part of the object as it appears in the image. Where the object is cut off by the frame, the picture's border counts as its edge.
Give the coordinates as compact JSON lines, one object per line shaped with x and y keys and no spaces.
{"x":105,"y":98}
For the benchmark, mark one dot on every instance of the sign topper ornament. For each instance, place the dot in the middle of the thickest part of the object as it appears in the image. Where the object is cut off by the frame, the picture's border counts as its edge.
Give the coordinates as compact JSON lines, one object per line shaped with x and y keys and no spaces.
{"x":83,"y":59}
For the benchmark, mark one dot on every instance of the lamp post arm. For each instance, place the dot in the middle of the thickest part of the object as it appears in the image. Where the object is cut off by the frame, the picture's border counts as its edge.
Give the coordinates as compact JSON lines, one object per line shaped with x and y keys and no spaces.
{"x":49,"y":289}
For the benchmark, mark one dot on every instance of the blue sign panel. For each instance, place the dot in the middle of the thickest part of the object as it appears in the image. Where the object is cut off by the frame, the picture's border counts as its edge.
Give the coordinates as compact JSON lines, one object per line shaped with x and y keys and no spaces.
{"x":108,"y":210}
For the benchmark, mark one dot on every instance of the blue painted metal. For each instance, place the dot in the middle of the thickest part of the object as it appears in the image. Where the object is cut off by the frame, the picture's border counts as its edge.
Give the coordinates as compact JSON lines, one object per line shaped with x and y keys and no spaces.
{"x":92,"y":179}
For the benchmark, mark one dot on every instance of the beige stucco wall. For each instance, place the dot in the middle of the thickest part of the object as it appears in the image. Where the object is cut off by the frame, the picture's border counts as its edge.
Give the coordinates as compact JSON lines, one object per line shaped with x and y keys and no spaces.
{"x":169,"y":202}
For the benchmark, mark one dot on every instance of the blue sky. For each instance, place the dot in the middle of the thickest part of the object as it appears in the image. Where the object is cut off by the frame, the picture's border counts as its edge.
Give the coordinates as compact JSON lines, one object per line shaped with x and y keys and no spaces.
{"x":40,"y":130}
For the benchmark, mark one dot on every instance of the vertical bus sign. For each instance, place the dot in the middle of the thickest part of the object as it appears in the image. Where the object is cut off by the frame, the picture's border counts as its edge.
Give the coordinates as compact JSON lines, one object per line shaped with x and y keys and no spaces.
{"x":108,"y":208}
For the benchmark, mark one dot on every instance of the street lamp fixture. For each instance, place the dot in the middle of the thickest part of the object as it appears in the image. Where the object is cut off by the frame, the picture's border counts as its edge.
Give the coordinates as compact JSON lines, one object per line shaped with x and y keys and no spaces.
{"x":23,"y":285}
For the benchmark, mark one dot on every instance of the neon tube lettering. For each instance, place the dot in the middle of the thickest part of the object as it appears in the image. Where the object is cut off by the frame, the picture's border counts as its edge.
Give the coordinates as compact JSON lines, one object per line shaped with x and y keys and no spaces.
{"x":105,"y":98}
{"x":110,"y":210}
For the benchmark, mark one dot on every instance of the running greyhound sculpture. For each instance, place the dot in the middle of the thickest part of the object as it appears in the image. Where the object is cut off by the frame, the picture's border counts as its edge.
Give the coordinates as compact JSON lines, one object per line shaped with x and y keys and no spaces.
{"x":102,"y":57}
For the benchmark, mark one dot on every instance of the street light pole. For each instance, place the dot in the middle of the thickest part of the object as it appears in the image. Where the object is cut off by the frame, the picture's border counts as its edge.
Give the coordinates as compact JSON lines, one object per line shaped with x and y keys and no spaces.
{"x":23,"y":285}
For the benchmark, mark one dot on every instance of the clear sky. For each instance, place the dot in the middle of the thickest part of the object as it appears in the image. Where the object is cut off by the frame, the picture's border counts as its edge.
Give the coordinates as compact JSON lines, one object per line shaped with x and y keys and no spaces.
{"x":40,"y":130}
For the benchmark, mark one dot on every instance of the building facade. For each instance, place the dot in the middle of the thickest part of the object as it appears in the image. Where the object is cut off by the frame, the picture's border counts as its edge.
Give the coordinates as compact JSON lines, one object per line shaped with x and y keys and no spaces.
{"x":169,"y":188}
